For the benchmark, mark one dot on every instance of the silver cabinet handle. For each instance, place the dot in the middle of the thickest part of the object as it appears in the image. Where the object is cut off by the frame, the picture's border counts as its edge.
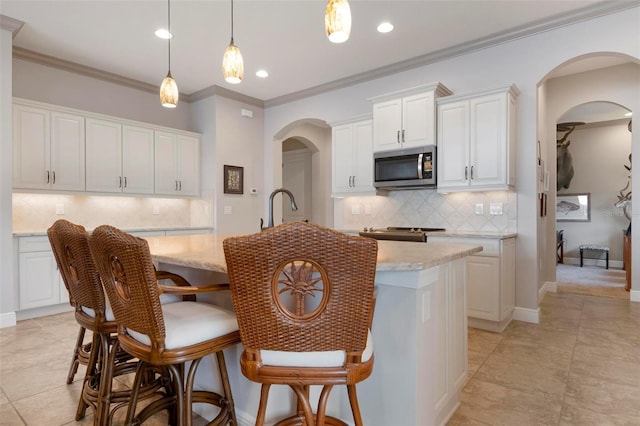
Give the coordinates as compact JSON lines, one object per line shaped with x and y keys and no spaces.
{"x":54,"y":177}
{"x":398,"y":136}
{"x":466,"y":173}
{"x":179,"y":185}
{"x":119,"y":181}
{"x":47,"y":176}
{"x":176,"y":185}
{"x":471,"y":172}
{"x":354,"y":182}
{"x":125,"y":181}
{"x":403,"y":135}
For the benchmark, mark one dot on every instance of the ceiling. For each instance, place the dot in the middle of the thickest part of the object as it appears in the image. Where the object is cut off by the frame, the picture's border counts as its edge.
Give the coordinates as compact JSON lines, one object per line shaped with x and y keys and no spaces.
{"x":286,"y":37}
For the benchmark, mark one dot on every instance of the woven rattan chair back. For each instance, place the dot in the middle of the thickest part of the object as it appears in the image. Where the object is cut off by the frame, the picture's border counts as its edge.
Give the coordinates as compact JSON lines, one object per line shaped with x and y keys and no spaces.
{"x":129,"y":279}
{"x":70,"y":244}
{"x":302,"y":287}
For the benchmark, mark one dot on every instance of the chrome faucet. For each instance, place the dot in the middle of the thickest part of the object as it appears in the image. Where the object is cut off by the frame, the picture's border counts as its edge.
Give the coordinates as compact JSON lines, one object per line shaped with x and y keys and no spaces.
{"x":294,"y":207}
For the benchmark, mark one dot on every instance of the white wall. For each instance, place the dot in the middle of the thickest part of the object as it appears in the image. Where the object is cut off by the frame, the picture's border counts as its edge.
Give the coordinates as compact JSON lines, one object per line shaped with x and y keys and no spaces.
{"x":7,"y":294}
{"x":524,"y":62}
{"x":599,"y":156}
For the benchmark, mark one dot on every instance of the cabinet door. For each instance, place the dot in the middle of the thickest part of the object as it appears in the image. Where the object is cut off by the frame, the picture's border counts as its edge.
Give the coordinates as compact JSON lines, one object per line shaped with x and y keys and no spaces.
{"x":103,"y":156}
{"x":488,"y":140}
{"x":188,"y":165}
{"x":31,"y":144}
{"x":458,"y":352}
{"x":363,"y":156}
{"x":67,"y":152}
{"x":418,"y":120}
{"x":166,"y":165}
{"x":39,"y":280}
{"x":507,"y":278}
{"x":453,"y":148}
{"x":483,"y":287}
{"x":342,"y":158}
{"x":387,"y":123}
{"x":137,"y":160}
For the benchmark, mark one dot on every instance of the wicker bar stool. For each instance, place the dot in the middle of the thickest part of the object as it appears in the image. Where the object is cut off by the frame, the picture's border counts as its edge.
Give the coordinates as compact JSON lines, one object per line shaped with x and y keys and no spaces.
{"x":304,"y":296}
{"x":70,"y":244}
{"x":167,"y":336}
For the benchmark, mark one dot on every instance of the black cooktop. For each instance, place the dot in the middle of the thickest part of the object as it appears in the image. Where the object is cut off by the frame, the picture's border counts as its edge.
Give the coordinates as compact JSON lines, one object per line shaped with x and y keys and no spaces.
{"x":396,"y":233}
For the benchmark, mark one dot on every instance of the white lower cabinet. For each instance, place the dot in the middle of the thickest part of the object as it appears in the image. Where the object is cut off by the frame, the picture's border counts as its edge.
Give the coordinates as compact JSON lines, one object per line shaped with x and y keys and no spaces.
{"x":40,"y":281}
{"x":490,"y":277}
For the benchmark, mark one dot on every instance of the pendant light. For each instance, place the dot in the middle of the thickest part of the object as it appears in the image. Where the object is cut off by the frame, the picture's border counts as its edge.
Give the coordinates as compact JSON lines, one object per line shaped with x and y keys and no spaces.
{"x":232,"y":64}
{"x":169,"y":89}
{"x":337,"y":21}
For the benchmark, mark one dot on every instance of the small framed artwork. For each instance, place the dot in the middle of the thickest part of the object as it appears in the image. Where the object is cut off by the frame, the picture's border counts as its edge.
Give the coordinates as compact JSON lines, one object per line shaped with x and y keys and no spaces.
{"x":233,"y":180}
{"x":573,"y":207}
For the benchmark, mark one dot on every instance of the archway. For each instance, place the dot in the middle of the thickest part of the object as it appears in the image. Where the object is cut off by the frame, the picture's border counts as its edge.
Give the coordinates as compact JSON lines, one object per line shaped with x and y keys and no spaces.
{"x":589,"y":78}
{"x":315,"y":136}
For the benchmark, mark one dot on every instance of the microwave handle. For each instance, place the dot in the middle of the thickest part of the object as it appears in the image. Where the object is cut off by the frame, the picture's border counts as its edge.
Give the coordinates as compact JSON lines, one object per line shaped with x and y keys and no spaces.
{"x":420,"y":166}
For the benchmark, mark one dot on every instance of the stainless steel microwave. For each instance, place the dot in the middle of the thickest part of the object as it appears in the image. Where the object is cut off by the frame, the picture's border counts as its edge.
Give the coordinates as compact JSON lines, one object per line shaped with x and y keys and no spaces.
{"x":410,"y":168}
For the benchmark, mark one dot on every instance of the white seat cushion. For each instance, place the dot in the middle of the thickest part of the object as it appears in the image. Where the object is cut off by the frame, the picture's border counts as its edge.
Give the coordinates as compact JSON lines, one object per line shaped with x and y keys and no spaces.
{"x":312,"y":359}
{"x":189,"y":323}
{"x":108,"y":314}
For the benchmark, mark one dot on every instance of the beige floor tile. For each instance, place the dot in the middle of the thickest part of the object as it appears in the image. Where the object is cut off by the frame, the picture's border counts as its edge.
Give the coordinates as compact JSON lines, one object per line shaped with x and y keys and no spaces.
{"x":483,"y":342}
{"x":608,"y":368}
{"x":497,"y":405}
{"x":535,"y":335}
{"x":53,"y":407}
{"x":25,"y":382}
{"x":9,"y":416}
{"x":3,"y":397}
{"x":579,"y":416}
{"x":603,"y":396}
{"x":462,"y":420}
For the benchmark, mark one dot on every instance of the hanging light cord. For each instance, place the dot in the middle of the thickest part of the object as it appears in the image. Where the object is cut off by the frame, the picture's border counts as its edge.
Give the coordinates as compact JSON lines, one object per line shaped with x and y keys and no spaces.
{"x":170,"y":35}
{"x":231,"y":21}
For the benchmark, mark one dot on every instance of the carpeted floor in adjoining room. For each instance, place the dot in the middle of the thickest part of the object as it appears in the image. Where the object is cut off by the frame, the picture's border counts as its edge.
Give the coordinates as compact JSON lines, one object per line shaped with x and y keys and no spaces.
{"x":591,"y":280}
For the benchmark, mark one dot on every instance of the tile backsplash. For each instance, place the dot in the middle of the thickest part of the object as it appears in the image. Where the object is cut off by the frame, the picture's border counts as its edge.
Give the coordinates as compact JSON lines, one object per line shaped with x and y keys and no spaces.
{"x":428,"y":208}
{"x":36,"y":212}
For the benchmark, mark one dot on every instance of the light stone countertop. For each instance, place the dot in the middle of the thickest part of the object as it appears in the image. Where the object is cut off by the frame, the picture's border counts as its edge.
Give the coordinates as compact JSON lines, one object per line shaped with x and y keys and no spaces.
{"x":38,"y":233}
{"x":458,"y":234}
{"x":206,"y":252}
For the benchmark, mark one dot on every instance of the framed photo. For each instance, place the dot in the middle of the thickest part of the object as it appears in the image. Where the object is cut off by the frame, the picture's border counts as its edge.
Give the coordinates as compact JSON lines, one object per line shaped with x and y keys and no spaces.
{"x":573,"y":207}
{"x":233,"y":180}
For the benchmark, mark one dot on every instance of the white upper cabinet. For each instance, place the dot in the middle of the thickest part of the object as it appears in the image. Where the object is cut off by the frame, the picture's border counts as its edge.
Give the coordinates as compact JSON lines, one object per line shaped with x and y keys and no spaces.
{"x":476,"y":141}
{"x":119,"y":157}
{"x":48,"y":149}
{"x":177,"y":164}
{"x":407,"y":118}
{"x":352,"y":158}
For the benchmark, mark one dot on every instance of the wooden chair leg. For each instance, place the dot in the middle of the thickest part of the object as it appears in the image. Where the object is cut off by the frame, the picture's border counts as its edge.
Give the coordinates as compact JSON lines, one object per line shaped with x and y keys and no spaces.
{"x":135,"y":391}
{"x":262,"y":408}
{"x":108,"y":353}
{"x":228,"y":396}
{"x":177,"y":376}
{"x":355,"y":407}
{"x":303,"y":399}
{"x":75,"y":360}
{"x":92,"y":370}
{"x":322,"y":404}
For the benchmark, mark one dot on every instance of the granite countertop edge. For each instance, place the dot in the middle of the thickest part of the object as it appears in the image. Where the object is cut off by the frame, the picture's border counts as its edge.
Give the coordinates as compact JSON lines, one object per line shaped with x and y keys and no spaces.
{"x":37,"y":233}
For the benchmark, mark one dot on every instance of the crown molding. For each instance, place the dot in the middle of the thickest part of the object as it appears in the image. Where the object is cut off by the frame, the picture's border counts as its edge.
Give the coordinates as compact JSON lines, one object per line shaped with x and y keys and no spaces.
{"x":584,"y":14}
{"x":221,"y":91}
{"x":10,"y":24}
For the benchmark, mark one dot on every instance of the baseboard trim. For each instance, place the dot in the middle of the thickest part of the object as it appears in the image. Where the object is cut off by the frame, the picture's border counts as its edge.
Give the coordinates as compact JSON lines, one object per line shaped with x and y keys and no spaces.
{"x":548,"y":286}
{"x":526,"y":315}
{"x":8,"y":319}
{"x":634,"y":295}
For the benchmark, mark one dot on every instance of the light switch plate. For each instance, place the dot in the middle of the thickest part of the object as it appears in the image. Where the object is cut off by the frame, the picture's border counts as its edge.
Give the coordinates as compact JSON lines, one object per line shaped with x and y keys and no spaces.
{"x":479,"y":208}
{"x":156,"y":209}
{"x":367,"y":209}
{"x":355,"y":209}
{"x":59,"y":208}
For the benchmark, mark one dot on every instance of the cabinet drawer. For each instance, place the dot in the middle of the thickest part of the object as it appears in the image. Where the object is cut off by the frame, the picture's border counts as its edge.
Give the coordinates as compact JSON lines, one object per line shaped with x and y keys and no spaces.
{"x":490,"y":247}
{"x":31,"y":244}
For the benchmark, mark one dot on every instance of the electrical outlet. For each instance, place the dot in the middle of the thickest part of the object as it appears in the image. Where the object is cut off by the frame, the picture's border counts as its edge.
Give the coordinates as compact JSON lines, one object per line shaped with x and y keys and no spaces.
{"x":228,"y":210}
{"x":60,"y":208}
{"x":355,"y":209}
{"x":156,"y":209}
{"x":495,"y":209}
{"x":479,"y":208}
{"x":367,"y":209}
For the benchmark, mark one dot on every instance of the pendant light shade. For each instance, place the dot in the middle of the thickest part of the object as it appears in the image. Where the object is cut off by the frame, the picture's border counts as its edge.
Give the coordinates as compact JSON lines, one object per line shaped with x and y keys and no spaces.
{"x":169,"y":92}
{"x":337,"y":21}
{"x":169,"y":89}
{"x":232,"y":63}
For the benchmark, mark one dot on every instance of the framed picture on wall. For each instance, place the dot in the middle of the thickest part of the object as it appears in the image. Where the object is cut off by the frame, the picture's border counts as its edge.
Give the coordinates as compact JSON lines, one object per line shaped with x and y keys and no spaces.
{"x":573,"y":207}
{"x":233,"y":180}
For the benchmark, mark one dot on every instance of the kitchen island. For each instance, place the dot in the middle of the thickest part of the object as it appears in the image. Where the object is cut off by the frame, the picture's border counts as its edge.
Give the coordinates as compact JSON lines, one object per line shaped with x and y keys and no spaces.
{"x":419,"y":332}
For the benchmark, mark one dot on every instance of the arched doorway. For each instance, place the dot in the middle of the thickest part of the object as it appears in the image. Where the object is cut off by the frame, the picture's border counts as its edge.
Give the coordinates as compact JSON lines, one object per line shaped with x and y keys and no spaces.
{"x":595,"y":77}
{"x":307,"y":137}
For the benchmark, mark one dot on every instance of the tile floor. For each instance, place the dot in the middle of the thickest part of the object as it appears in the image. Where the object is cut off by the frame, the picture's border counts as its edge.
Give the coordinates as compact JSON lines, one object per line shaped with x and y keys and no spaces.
{"x":579,"y":366}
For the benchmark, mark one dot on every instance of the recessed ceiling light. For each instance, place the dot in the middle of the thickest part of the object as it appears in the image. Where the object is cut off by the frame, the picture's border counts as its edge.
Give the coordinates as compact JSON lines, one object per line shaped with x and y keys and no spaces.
{"x":385,"y":27}
{"x":262,"y":73}
{"x":163,"y":34}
